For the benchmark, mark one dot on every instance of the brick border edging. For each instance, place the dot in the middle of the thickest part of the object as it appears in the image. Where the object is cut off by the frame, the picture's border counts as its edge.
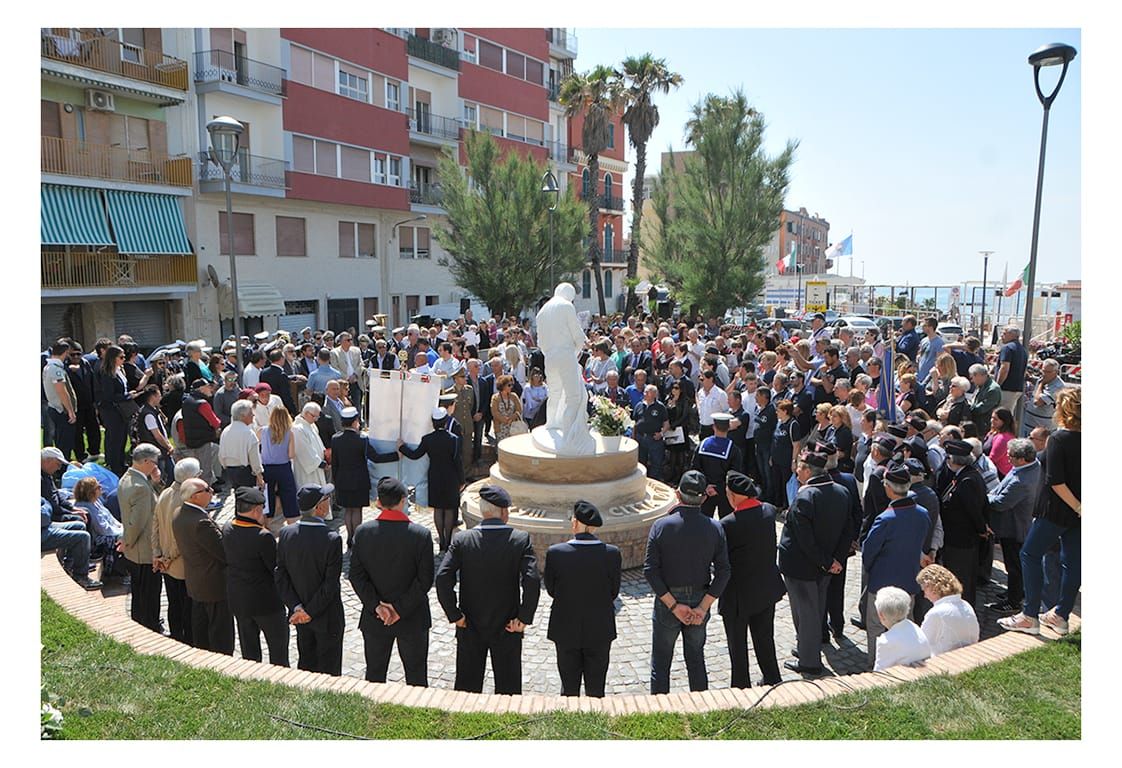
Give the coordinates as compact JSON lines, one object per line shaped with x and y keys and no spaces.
{"x":108,"y":616}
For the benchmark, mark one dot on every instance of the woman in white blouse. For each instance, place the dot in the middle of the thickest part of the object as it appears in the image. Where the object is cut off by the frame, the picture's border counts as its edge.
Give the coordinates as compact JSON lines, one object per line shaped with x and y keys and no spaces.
{"x":951,"y":623}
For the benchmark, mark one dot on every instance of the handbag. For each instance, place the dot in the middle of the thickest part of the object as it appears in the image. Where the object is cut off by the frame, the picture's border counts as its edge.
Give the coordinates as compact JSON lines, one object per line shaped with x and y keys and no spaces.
{"x":519,"y":427}
{"x":676,"y":436}
{"x":127,"y":409}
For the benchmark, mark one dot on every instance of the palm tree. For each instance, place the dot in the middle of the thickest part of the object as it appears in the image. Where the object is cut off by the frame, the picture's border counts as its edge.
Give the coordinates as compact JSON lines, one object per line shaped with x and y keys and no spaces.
{"x":645,"y":76}
{"x":597,"y":95}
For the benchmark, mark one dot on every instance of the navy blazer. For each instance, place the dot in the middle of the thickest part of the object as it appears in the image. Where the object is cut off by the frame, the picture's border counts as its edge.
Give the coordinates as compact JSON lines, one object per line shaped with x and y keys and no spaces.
{"x":755,"y":584}
{"x":110,"y":390}
{"x":251,"y":561}
{"x":391,"y":562}
{"x":817,"y":530}
{"x":446,"y":471}
{"x":309,"y":566}
{"x":583,"y":577}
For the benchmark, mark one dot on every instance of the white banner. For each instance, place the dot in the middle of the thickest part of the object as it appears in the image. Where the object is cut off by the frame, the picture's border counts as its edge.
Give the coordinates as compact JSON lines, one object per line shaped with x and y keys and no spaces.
{"x":400,"y":405}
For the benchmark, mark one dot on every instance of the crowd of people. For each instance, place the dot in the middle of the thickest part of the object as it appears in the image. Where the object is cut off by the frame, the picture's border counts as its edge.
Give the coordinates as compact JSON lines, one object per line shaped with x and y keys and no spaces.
{"x":921,"y":458}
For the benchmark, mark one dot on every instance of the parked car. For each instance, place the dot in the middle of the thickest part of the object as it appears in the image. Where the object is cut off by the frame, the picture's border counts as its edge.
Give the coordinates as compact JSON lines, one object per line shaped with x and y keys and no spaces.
{"x":950,"y":332}
{"x":857,"y":323}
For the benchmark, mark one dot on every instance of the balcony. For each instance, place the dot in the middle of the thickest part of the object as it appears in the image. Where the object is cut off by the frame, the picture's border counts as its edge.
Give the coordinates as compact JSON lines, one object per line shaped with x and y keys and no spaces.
{"x":563,"y":40}
{"x":426,"y":194}
{"x":434,"y":52}
{"x":607,"y":202}
{"x":69,"y":157}
{"x":225,"y":67}
{"x":553,"y":91}
{"x":248,"y":170}
{"x":104,"y":54}
{"x":613,"y":257}
{"x":60,"y":270}
{"x":426,"y":124}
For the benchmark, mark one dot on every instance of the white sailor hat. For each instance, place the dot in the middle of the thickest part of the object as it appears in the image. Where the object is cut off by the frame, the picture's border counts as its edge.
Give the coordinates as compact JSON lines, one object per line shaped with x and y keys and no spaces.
{"x":261,"y":336}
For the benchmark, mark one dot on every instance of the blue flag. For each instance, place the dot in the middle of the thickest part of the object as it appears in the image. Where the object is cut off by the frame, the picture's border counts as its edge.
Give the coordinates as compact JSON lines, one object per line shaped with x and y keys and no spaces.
{"x":886,"y":392}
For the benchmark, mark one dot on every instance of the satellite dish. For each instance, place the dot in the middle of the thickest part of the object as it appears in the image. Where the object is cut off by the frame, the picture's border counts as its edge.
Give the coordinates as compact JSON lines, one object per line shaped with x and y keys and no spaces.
{"x":212,"y":274}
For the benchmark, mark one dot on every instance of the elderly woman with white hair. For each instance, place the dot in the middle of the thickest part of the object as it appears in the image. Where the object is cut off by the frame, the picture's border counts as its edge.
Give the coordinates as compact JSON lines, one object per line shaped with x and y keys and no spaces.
{"x":904,"y":642}
{"x":165,"y":552}
{"x":309,"y":464}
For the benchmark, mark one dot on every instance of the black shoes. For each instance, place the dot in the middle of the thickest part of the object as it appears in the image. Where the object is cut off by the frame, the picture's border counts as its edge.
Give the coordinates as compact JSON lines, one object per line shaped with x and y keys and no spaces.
{"x":1003,"y":606}
{"x":794,"y":666}
{"x":856,"y":621}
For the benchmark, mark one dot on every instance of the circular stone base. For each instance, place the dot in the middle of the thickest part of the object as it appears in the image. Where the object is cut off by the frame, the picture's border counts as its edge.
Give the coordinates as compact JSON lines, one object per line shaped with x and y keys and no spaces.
{"x":523,"y":457}
{"x":626,"y":525}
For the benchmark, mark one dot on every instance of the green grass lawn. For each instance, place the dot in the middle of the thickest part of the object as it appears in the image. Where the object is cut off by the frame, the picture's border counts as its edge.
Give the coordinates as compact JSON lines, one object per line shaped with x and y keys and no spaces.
{"x":113,"y":693}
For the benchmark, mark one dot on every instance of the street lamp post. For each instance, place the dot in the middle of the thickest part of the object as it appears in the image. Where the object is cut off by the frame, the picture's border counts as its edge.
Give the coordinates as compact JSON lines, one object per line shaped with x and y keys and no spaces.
{"x":985,"y":284}
{"x":552,"y":192}
{"x":225,"y":135}
{"x":1046,"y":56}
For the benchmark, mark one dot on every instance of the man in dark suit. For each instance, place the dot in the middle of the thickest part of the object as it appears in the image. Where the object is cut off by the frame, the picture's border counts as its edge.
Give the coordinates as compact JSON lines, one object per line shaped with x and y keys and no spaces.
{"x":392,"y":572}
{"x":638,"y":359}
{"x":275,"y":377}
{"x":583,"y":576}
{"x":485,"y":384}
{"x":309,"y":565}
{"x":204,"y":561}
{"x":748,"y":602}
{"x":833,"y":620}
{"x":251,"y":588}
{"x":962,"y":508}
{"x":492,"y":561}
{"x":815,"y":540}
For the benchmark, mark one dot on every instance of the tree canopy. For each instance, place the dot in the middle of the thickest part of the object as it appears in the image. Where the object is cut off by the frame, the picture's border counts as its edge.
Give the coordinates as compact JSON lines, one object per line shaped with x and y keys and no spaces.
{"x":497,"y":229}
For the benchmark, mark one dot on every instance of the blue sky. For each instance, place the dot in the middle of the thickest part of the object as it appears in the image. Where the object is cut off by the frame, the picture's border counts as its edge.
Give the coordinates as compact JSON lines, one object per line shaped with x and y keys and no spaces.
{"x":923,"y":143}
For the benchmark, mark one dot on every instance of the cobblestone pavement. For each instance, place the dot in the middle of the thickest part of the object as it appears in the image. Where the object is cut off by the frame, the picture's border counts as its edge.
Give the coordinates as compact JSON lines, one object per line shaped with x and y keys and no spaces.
{"x":629,"y":670}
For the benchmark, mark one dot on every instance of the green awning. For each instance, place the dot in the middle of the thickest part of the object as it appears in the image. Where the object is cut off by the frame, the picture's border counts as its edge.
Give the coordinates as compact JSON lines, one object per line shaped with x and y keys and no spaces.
{"x":72,"y":216}
{"x":147,"y":223}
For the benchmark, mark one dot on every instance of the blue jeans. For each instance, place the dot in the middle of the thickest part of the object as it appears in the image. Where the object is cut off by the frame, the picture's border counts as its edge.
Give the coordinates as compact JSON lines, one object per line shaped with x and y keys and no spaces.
{"x":651,"y":455}
{"x":72,"y":539}
{"x":1041,"y":537}
{"x":665,"y":637}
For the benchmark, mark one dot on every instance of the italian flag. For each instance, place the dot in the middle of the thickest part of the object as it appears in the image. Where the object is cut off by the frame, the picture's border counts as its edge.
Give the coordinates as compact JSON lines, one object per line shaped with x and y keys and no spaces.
{"x":786,"y":262}
{"x":1019,"y":283}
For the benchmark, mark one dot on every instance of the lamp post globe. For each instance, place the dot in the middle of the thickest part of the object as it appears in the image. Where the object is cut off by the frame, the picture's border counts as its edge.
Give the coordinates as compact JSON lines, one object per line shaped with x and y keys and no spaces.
{"x":225,"y":136}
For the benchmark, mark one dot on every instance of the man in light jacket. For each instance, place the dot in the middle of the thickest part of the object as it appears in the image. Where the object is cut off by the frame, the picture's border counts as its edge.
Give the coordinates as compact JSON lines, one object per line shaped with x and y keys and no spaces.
{"x":165,"y":552}
{"x":1010,"y":506}
{"x":137,"y":499}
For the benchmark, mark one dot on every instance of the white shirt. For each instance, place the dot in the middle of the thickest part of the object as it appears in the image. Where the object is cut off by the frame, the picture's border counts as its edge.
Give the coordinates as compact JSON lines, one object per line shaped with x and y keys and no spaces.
{"x":262,"y":411}
{"x":751,"y":408}
{"x":238,"y":446}
{"x":251,"y":376}
{"x":695,"y":352}
{"x":715,"y":402}
{"x":905,"y":643}
{"x":951,"y":623}
{"x":444,"y":367}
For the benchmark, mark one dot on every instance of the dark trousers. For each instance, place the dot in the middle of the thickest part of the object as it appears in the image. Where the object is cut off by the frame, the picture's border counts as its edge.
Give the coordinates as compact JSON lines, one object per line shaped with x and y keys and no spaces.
{"x":477,"y":428}
{"x":704,"y":431}
{"x":46,"y":423}
{"x":280,"y":484}
{"x":651,"y":455}
{"x":780,"y":474}
{"x":180,"y":608}
{"x":114,"y":425}
{"x":963,"y":563}
{"x":413,"y":648}
{"x":319,"y":650}
{"x":985,"y":561}
{"x":808,"y":597}
{"x":763,"y":470}
{"x":445,"y":522}
{"x":588,"y":663}
{"x":505,"y":649}
{"x":1011,"y":556}
{"x":275,"y":628}
{"x":665,"y":630}
{"x":834,"y":615}
{"x":87,"y":433}
{"x":212,"y":627}
{"x":762,"y":627}
{"x":748,"y":459}
{"x":64,"y":431}
{"x":239,"y":477}
{"x":145,"y":608}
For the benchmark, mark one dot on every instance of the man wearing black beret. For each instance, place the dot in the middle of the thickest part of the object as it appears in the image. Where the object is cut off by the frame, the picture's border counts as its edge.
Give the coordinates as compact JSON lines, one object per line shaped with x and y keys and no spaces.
{"x":816,"y":538}
{"x":251,"y":588}
{"x":962,"y":496}
{"x":834,"y":619}
{"x":493,"y":563}
{"x":392,"y":573}
{"x":582,"y":576}
{"x":748,"y":601}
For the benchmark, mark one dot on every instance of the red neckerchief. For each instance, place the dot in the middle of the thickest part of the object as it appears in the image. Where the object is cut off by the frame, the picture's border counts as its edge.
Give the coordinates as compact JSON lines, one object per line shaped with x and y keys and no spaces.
{"x":393,"y":514}
{"x":749,"y":504}
{"x":245,"y":522}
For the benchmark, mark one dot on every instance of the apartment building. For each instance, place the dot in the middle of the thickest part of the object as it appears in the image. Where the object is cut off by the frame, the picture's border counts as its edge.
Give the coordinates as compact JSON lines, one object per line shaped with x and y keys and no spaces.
{"x":335,"y":189}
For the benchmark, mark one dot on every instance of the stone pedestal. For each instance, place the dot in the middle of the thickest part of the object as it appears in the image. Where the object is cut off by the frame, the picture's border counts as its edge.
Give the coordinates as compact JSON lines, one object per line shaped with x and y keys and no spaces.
{"x":543,"y":487}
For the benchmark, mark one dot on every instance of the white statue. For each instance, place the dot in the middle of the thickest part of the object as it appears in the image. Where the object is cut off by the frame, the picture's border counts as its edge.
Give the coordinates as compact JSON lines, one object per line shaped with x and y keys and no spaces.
{"x":561,"y":339}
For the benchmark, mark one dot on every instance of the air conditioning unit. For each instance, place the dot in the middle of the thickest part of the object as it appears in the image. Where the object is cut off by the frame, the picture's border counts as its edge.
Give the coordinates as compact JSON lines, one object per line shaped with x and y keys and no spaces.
{"x":100,"y":101}
{"x":444,"y":36}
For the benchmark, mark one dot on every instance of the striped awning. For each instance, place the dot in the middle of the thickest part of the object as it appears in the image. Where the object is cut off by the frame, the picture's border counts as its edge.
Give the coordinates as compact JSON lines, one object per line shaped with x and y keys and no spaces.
{"x":72,"y":216}
{"x":147,"y":223}
{"x":255,"y":299}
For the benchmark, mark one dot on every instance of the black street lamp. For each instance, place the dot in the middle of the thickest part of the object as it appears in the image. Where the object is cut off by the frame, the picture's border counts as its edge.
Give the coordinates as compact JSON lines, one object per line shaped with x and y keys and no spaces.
{"x":985,"y":285}
{"x":553,"y":193}
{"x":225,"y":134}
{"x":1047,"y":56}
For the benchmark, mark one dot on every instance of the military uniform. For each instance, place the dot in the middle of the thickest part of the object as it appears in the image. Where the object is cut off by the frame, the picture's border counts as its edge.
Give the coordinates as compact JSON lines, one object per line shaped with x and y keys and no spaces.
{"x":714,"y":458}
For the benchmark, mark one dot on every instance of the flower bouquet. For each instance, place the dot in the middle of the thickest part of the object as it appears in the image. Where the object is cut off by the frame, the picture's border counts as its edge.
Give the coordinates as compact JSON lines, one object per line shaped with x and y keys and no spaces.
{"x":609,"y":419}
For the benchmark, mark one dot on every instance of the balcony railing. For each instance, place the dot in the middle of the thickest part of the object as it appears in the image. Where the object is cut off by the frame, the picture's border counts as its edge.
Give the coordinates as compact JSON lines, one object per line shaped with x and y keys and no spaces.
{"x":433,"y":125}
{"x":614,"y":257}
{"x":105,"y":54}
{"x":59,"y":269}
{"x":225,"y":67}
{"x":607,"y":202}
{"x":98,"y":161}
{"x":426,"y":194}
{"x":434,"y":52}
{"x":553,"y":90}
{"x":562,"y":38}
{"x":248,"y":169}
{"x":558,"y":152}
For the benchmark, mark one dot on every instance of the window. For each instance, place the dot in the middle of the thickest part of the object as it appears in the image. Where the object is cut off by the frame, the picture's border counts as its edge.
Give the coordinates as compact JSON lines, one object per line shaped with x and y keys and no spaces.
{"x":324,"y":75}
{"x":303,"y":154}
{"x":356,"y":239}
{"x":535,"y":132}
{"x":584,"y":185}
{"x":491,"y":120}
{"x":607,"y":188}
{"x":469,"y":49}
{"x":586,"y":285}
{"x":607,"y":284}
{"x":535,"y":72}
{"x":405,"y":242}
{"x":611,"y":135}
{"x":326,"y":158}
{"x":132,"y":44}
{"x":414,"y":243}
{"x":609,"y":243}
{"x":516,"y":65}
{"x":366,"y":241}
{"x":353,"y":85}
{"x":490,"y":56}
{"x":471,"y":116}
{"x":430,"y":300}
{"x":516,"y":127}
{"x":355,"y":163}
{"x":379,"y":169}
{"x":301,"y":60}
{"x":423,"y":234}
{"x":395,"y":172}
{"x":393,"y":96}
{"x":290,"y":237}
{"x":243,"y":234}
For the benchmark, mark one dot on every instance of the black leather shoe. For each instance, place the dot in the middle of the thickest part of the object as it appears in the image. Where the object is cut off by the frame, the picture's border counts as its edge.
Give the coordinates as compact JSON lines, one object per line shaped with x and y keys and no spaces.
{"x":1002,"y":606}
{"x":856,"y":621}
{"x":794,"y":666}
{"x":795,"y":652}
